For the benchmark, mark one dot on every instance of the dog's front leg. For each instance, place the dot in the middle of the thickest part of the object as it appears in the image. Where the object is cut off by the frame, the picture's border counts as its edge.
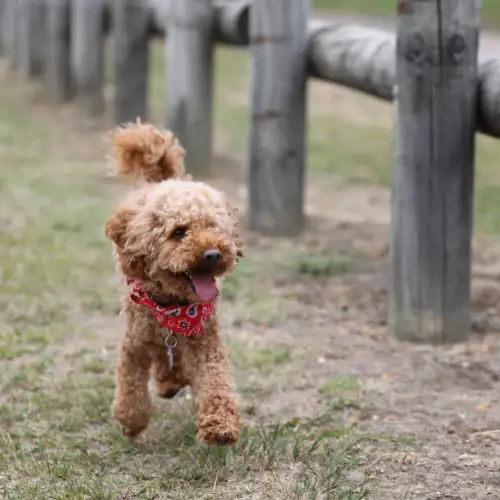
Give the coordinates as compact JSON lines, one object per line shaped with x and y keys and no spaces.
{"x":132,"y":406}
{"x":219,"y":421}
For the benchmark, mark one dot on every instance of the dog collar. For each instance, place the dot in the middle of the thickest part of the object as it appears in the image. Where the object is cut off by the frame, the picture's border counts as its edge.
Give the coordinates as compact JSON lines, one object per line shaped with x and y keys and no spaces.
{"x":186,"y":320}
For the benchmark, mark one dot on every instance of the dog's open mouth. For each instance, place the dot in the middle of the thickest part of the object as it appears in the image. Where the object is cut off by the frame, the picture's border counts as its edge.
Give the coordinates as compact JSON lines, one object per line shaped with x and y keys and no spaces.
{"x":203,"y":284}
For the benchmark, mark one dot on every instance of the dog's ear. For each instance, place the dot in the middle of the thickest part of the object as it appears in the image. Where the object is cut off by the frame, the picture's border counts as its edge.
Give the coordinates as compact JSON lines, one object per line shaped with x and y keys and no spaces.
{"x":116,"y":226}
{"x":132,"y":264}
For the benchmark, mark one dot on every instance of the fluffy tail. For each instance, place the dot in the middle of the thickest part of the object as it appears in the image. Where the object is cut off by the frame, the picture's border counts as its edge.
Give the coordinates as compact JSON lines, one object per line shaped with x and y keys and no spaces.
{"x":143,"y":151}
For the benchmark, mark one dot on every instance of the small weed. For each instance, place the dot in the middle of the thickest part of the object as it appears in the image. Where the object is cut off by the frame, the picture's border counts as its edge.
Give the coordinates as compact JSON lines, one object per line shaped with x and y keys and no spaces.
{"x":342,"y":392}
{"x":26,"y":377}
{"x":260,"y":359}
{"x":94,"y":365}
{"x":321,"y":264}
{"x":340,"y":385}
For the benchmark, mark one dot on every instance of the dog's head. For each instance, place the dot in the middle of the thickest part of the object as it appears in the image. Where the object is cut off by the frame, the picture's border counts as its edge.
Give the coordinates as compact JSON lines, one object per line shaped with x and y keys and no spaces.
{"x":177,"y":236}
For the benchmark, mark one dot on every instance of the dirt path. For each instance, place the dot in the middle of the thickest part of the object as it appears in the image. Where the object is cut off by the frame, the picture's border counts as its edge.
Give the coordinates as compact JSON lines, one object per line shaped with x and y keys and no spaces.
{"x":444,"y":400}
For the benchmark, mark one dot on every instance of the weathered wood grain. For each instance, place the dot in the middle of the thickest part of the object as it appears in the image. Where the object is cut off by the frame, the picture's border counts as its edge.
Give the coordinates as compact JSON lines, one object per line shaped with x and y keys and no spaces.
{"x":355,"y":56}
{"x":131,"y":40}
{"x":278,"y":45}
{"x":189,"y":75}
{"x":433,"y":174}
{"x":87,"y":54}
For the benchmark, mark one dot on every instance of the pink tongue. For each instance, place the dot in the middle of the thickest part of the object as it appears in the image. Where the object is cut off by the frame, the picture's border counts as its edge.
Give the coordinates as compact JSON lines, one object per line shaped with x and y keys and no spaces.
{"x":204,"y":285}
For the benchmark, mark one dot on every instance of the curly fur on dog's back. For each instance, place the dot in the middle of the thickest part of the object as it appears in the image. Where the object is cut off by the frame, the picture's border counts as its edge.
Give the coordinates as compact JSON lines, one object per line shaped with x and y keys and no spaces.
{"x":143,"y":151}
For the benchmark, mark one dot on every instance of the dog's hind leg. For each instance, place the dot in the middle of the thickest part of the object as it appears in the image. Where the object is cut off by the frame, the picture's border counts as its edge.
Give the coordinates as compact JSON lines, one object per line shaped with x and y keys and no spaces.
{"x":132,"y":406}
{"x":168,"y":379}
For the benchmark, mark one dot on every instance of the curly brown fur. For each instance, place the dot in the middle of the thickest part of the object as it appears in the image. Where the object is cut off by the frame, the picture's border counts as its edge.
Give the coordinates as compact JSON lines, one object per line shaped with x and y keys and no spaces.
{"x":144,"y":151}
{"x":145,"y":232}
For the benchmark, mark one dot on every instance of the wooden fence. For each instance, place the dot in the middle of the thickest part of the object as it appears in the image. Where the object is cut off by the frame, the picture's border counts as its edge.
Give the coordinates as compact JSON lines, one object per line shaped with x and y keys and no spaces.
{"x":430,"y":68}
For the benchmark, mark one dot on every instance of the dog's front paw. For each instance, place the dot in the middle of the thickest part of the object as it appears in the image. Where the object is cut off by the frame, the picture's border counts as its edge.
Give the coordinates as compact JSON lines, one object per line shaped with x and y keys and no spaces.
{"x":221,"y":426}
{"x":214,"y":431}
{"x":133,"y":420}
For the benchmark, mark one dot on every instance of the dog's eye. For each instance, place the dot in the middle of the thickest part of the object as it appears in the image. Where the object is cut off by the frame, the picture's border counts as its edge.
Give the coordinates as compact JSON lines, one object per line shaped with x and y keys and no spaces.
{"x":179,"y":233}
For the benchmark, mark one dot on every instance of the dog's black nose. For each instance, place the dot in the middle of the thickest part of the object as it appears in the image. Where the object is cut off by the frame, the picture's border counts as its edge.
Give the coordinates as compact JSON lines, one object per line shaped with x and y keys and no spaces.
{"x":211,"y":256}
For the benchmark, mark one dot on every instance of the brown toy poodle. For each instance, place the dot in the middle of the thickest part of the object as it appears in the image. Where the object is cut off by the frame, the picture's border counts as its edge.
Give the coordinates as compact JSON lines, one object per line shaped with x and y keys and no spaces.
{"x":173,"y":240}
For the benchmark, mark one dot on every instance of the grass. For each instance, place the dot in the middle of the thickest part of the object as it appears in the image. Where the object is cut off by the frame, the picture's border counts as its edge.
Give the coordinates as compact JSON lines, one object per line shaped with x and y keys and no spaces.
{"x":102,"y":465}
{"x":340,"y":385}
{"x":58,"y":306}
{"x":324,"y":264}
{"x":58,"y":442}
{"x":490,"y":8}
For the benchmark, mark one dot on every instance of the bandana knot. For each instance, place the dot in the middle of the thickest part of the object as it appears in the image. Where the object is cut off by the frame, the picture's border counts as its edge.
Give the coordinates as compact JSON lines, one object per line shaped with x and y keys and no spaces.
{"x":187,"y":320}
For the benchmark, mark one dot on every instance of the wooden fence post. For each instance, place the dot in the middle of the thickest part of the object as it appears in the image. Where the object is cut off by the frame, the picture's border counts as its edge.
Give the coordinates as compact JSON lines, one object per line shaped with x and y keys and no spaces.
{"x":433,"y":176}
{"x":3,"y":11}
{"x":87,"y":54}
{"x":131,"y":43}
{"x":7,"y":28}
{"x":32,"y":37}
{"x":12,"y":33}
{"x":189,"y":80}
{"x":278,"y":39}
{"x":58,"y":82}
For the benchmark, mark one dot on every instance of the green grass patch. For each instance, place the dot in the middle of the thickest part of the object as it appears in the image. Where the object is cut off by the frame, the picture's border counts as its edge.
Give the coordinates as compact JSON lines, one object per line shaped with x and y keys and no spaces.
{"x":88,"y":469}
{"x":341,"y":385}
{"x":324,"y":264}
{"x":380,"y":7}
{"x":341,"y":392}
{"x":264,"y":360}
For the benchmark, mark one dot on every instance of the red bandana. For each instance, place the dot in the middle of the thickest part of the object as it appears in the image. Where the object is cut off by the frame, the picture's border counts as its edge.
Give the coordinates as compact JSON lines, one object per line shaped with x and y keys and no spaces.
{"x":186,"y":320}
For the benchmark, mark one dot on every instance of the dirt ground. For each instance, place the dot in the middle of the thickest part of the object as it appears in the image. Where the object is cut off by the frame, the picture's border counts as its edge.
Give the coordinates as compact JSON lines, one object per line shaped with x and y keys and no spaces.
{"x":445,"y":399}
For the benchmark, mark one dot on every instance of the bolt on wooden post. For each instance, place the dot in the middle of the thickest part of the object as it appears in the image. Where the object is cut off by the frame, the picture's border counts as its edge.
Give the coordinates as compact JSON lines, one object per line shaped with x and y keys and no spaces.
{"x":189,"y":75}
{"x":431,"y":235}
{"x":278,"y":44}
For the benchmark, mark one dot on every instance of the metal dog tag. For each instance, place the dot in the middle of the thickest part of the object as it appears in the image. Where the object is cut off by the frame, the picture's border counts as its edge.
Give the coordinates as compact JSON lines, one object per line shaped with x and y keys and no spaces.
{"x":170,"y":357}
